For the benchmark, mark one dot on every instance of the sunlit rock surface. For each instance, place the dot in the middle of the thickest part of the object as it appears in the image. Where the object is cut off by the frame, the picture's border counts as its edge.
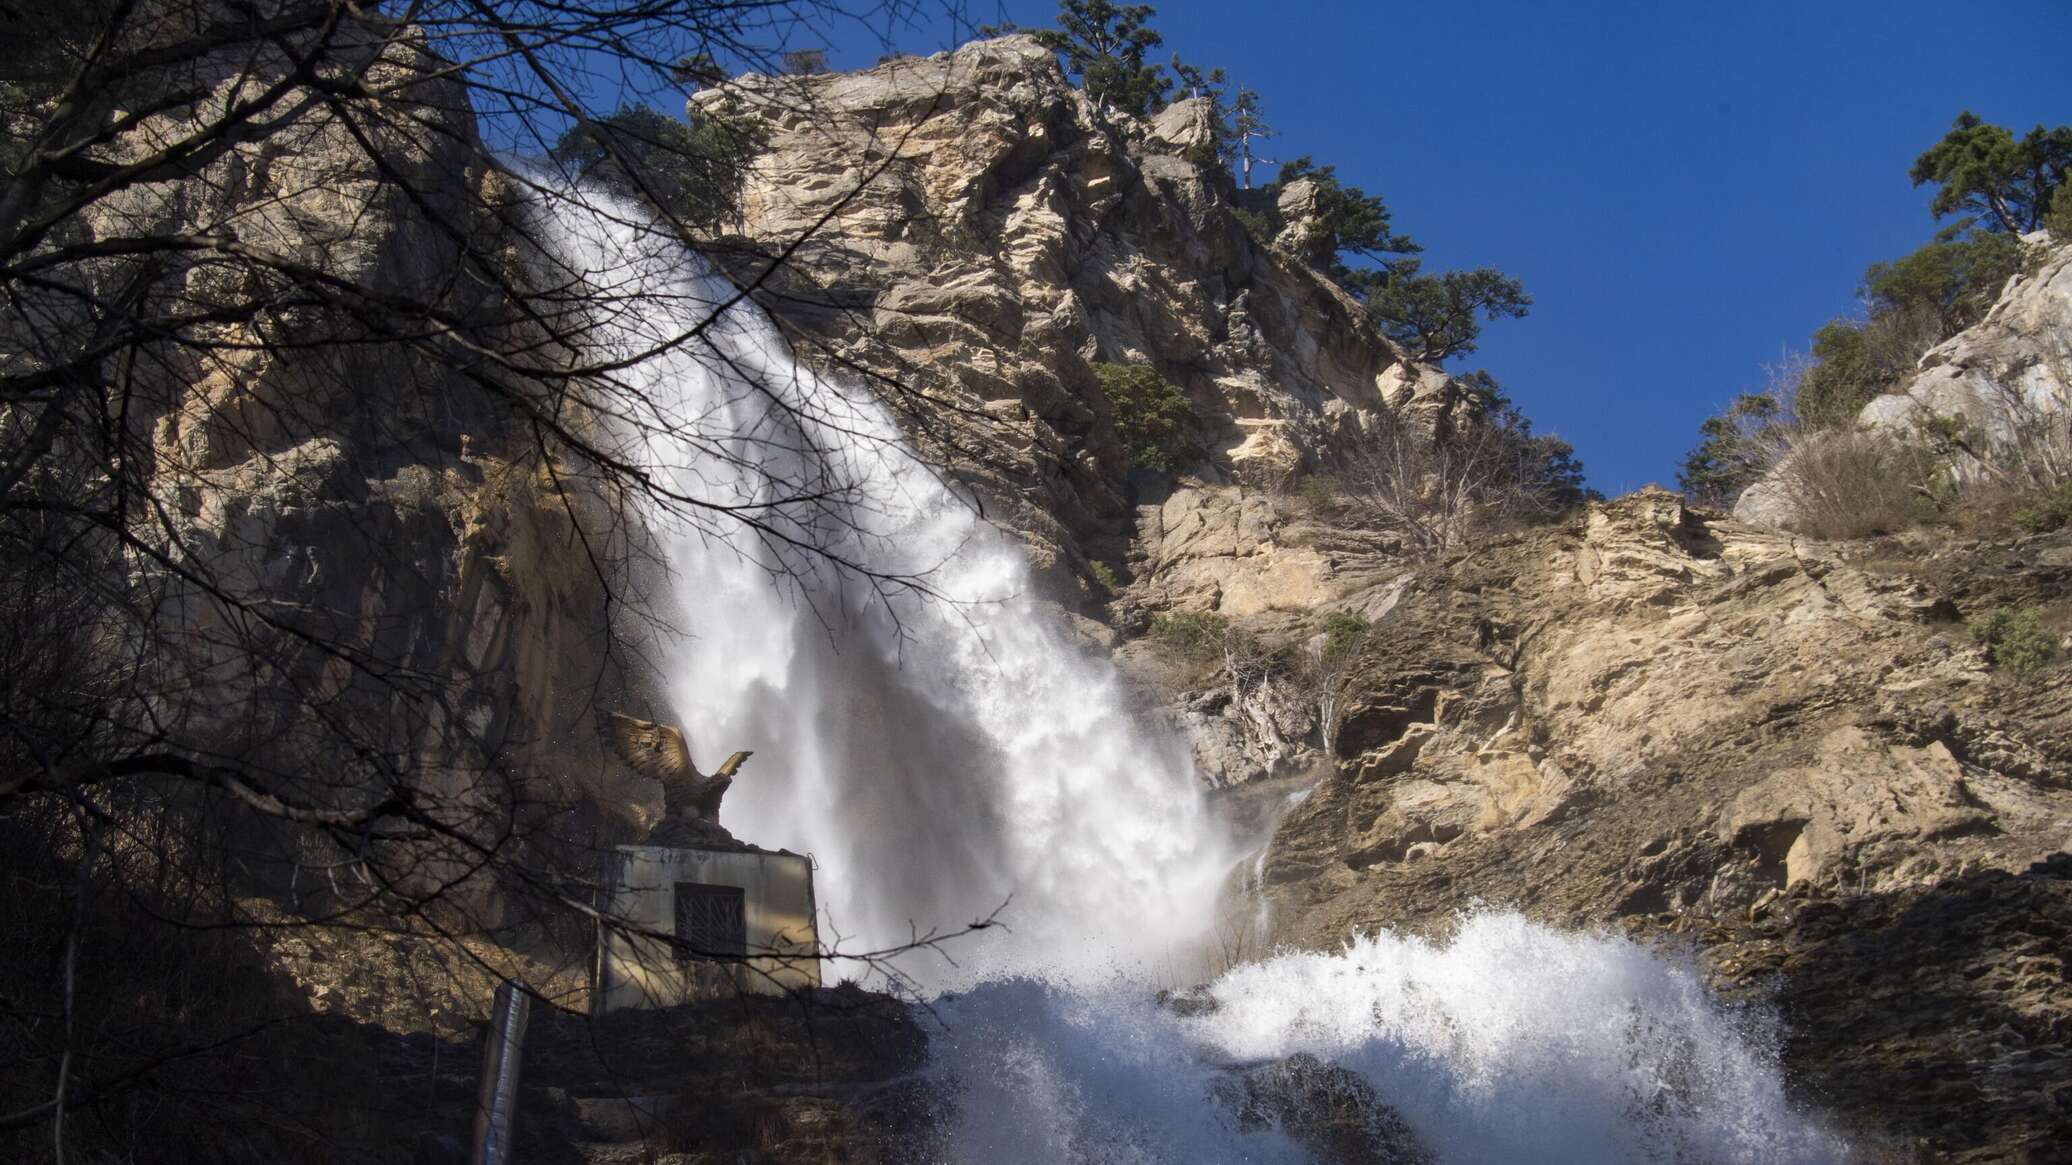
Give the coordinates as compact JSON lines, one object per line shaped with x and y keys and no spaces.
{"x":979,"y":235}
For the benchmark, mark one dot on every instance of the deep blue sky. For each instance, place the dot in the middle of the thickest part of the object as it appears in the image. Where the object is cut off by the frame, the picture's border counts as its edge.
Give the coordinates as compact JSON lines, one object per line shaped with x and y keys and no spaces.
{"x":1687,"y":189}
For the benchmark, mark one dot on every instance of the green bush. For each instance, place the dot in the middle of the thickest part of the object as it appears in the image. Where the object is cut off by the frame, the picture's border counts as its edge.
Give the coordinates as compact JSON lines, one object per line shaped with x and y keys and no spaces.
{"x":1191,"y":635}
{"x":1954,"y":279}
{"x":1344,"y":632}
{"x":1915,"y":302}
{"x":1258,"y":224}
{"x":1103,"y":574}
{"x":1151,"y":414}
{"x":2047,"y":511}
{"x":2015,"y":639}
{"x":691,"y":169}
{"x":2059,"y":221}
{"x":1321,"y":492}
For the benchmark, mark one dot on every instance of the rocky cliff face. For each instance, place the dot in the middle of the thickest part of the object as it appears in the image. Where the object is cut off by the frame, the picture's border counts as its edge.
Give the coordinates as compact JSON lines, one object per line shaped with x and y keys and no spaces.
{"x":361,"y":542}
{"x":1683,"y":725}
{"x":978,"y":235}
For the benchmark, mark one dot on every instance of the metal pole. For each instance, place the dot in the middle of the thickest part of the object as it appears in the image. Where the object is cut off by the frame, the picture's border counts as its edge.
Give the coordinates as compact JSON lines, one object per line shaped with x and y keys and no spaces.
{"x":500,"y":1059}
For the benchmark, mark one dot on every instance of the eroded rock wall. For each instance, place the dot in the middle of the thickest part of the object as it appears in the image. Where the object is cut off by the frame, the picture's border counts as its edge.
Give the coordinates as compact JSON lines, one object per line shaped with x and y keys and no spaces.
{"x":370,"y":561}
{"x":978,"y":234}
{"x":1721,"y":736}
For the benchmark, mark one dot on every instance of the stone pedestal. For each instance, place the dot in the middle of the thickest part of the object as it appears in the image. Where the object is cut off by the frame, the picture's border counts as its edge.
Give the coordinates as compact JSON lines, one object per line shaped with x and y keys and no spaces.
{"x":742,"y":919}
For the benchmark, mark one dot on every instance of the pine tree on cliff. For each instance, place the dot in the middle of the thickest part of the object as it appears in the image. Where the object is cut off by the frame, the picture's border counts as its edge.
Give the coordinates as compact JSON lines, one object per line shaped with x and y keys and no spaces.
{"x":1433,"y":317}
{"x":1247,"y":125}
{"x":1345,"y":221}
{"x":1984,"y":170}
{"x":1104,"y":45}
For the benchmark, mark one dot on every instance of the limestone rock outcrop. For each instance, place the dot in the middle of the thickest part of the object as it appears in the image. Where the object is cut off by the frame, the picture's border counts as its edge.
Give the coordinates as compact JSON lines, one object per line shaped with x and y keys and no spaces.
{"x":1679,"y":723}
{"x":1649,"y":716}
{"x":2008,"y":367}
{"x":355,"y":541}
{"x":976,"y":234}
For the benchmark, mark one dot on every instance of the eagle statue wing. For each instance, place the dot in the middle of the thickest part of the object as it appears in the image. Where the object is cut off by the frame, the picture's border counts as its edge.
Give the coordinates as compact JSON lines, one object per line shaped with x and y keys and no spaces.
{"x":657,"y":751}
{"x":733,"y":764}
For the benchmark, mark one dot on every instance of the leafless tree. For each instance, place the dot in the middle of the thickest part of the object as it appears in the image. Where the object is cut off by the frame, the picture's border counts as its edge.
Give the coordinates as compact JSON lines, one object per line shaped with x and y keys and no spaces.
{"x":1434,"y":477}
{"x":283,"y":353}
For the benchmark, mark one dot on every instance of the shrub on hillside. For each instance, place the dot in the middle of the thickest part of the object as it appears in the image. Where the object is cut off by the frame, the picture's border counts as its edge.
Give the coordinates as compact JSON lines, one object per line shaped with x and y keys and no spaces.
{"x":2048,"y":510}
{"x":1257,"y":224}
{"x":1912,"y":304}
{"x":1855,"y":484}
{"x":1151,"y":414}
{"x":1483,"y":468}
{"x":692,"y":170}
{"x":1195,"y":636}
{"x":1344,"y":632}
{"x":2015,"y":639}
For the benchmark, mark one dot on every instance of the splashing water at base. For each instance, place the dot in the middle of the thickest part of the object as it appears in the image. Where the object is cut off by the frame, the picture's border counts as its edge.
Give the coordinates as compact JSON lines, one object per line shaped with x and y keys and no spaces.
{"x":1513,"y":1042}
{"x":941,"y":751}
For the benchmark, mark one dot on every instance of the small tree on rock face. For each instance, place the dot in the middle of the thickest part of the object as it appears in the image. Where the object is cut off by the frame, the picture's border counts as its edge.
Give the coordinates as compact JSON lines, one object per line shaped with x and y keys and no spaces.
{"x":1348,"y":221}
{"x":1104,"y":46}
{"x":1328,"y":671}
{"x":1247,"y":125}
{"x":1983,"y":169}
{"x":693,"y":170}
{"x":1151,"y":413}
{"x":1434,"y":316}
{"x":1735,"y":449}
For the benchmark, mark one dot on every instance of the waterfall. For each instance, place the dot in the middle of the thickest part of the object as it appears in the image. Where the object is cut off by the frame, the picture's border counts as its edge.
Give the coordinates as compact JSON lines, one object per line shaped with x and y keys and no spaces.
{"x":938,"y":752}
{"x":941,"y":750}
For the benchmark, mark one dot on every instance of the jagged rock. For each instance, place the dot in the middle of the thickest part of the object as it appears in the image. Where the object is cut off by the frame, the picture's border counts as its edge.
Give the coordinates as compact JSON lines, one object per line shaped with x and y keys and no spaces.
{"x":1187,"y":124}
{"x":1331,"y":1111}
{"x":1934,"y":1015}
{"x":1014,"y":236}
{"x":1656,"y":714}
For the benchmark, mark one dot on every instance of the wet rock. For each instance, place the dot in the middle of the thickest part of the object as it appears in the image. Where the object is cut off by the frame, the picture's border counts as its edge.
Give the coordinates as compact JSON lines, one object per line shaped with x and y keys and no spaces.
{"x":1329,"y":1110}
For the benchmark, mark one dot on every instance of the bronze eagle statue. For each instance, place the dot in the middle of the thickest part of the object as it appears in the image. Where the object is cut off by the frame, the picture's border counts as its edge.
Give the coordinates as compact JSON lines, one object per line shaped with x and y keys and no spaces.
{"x":660,"y":751}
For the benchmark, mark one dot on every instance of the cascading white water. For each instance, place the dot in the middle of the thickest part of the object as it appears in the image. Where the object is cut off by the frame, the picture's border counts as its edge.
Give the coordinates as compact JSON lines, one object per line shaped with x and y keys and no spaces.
{"x":941,"y":751}
{"x":938,"y":752}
